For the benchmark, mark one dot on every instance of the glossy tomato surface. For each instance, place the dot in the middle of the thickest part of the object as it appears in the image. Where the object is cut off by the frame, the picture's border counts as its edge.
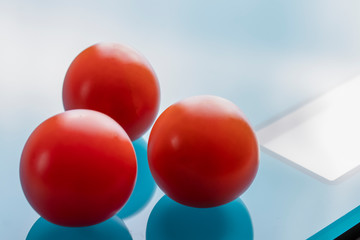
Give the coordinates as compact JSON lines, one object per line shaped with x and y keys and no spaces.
{"x":78,"y":168}
{"x":202,"y":152}
{"x":115,"y":80}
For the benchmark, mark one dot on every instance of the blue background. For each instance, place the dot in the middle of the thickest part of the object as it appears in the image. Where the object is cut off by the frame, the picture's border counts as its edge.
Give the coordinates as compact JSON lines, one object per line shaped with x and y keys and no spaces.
{"x":266,"y":56}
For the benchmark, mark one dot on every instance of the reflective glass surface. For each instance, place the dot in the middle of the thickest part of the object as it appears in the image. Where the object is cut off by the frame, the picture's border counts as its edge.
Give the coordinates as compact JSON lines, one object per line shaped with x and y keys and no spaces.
{"x":268,"y":57}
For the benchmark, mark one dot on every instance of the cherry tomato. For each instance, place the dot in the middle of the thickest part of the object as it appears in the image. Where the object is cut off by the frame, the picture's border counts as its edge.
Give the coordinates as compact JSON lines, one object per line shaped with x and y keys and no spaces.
{"x":115,"y":80}
{"x":78,"y":168}
{"x":202,"y":152}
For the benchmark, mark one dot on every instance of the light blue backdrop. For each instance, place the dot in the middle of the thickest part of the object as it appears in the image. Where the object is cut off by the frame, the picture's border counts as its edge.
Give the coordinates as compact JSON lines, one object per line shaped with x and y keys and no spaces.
{"x":265,"y":56}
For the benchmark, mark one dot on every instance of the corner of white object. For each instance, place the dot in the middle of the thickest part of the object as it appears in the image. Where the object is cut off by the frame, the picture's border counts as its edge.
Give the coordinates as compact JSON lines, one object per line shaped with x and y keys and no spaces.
{"x":323,"y":136}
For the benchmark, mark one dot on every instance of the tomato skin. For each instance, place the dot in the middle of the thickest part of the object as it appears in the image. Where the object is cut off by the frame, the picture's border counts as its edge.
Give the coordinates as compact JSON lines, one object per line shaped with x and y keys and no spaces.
{"x":78,"y":168}
{"x":115,"y":80}
{"x":202,"y":152}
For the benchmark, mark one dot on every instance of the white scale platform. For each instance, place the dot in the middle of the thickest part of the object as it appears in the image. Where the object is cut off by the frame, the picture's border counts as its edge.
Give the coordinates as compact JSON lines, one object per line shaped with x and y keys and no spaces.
{"x":323,"y":136}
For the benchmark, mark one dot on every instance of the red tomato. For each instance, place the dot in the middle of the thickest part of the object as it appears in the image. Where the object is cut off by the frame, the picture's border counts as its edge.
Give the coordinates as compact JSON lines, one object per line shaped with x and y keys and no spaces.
{"x":202,"y":152}
{"x":78,"y":168}
{"x":115,"y":80}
